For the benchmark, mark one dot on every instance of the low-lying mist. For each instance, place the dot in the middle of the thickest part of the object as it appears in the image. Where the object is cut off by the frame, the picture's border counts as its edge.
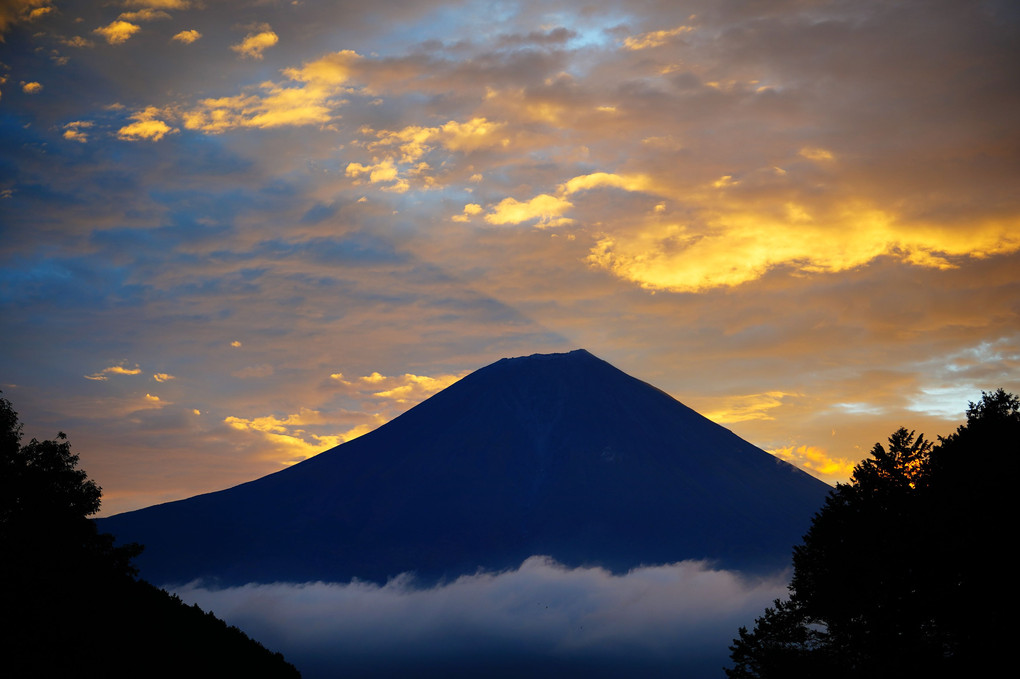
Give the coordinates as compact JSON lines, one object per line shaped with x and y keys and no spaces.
{"x":540,"y":620}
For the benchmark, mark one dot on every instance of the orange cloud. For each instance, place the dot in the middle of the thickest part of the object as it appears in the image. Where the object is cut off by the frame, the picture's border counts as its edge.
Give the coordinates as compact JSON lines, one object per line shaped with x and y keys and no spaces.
{"x":159,"y":4}
{"x":544,"y":208}
{"x":734,"y":245}
{"x":654,"y":38}
{"x":147,"y":14}
{"x":73,"y":131}
{"x":101,"y":376}
{"x":17,"y":11}
{"x":730,"y":409}
{"x":470,"y":210}
{"x":548,"y":209}
{"x":817,"y":461}
{"x":271,"y":105}
{"x":254,"y":44}
{"x":118,"y":32}
{"x":290,"y":438}
{"x":187,"y":37}
{"x":147,"y":125}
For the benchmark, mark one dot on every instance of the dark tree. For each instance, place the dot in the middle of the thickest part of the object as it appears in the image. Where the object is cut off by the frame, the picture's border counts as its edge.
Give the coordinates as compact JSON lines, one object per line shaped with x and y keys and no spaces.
{"x":897,"y":575}
{"x":69,"y":600}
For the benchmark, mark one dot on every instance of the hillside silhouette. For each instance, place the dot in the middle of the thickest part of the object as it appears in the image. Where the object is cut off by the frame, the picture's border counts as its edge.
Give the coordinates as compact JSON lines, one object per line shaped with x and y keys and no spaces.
{"x":70,"y":601}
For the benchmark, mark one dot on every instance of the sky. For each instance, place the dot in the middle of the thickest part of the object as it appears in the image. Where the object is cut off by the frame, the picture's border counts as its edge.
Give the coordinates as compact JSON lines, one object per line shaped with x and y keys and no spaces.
{"x":235,"y":233}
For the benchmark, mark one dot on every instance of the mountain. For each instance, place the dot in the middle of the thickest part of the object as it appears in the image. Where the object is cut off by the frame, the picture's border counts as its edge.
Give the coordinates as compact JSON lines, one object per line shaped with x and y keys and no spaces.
{"x":561,"y":455}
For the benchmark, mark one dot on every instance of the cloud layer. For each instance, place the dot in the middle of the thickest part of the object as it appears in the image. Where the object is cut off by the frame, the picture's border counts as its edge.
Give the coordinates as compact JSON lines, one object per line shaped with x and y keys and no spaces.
{"x":540,"y":618}
{"x":800,"y":218}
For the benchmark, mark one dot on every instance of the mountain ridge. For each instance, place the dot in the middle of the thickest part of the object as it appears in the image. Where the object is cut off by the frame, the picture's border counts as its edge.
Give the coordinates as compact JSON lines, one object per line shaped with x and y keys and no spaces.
{"x":556,"y":454}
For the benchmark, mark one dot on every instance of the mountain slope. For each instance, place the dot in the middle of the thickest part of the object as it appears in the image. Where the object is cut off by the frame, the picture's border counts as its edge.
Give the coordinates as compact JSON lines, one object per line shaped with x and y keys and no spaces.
{"x":560,"y":454}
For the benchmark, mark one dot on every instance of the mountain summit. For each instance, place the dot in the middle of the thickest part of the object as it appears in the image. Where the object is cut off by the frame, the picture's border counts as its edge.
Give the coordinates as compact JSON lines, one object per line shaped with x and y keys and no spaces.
{"x":559,"y":454}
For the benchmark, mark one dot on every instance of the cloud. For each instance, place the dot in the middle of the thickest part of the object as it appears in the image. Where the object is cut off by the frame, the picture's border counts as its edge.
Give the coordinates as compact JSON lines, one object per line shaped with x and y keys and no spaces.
{"x":293,"y":438}
{"x":74,"y":131}
{"x":548,"y":209}
{"x":147,"y":125}
{"x":17,"y":11}
{"x":382,"y":171}
{"x":274,"y":105}
{"x":187,"y":37}
{"x":545,"y":209}
{"x":254,"y":44}
{"x":102,"y":375}
{"x":541,"y":619}
{"x":118,"y":32}
{"x":147,"y":14}
{"x":261,"y":370}
{"x":400,"y":389}
{"x":159,"y":4}
{"x":731,"y":246}
{"x":654,"y":38}
{"x":412,"y":388}
{"x":605,"y":179}
{"x":730,"y":409}
{"x":163,"y":377}
{"x":470,"y":210}
{"x":415,"y":141}
{"x":31,"y":88}
{"x":77,"y":41}
{"x":817,"y":461}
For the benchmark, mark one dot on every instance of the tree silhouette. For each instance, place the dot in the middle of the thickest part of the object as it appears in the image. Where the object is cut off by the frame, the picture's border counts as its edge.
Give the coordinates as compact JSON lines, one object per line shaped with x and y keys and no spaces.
{"x":892,"y":578}
{"x":69,"y":600}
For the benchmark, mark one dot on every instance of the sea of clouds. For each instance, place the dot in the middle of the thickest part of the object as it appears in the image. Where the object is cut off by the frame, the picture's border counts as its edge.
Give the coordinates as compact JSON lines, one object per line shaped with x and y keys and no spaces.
{"x":541,"y":619}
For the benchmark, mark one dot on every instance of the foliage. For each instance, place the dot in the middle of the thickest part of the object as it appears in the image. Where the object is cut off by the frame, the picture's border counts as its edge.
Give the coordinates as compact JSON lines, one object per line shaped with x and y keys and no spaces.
{"x":892,"y":578}
{"x":69,"y":600}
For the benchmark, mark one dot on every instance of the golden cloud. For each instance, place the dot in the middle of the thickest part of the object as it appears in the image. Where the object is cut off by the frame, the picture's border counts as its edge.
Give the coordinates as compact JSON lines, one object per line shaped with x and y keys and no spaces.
{"x":732,"y":247}
{"x":146,"y":126}
{"x":101,"y":376}
{"x":401,"y":389}
{"x":744,"y":408}
{"x":254,"y":44}
{"x":159,"y":4}
{"x":77,"y":41}
{"x":311,"y":103}
{"x":547,"y":209}
{"x":163,"y":377}
{"x":415,"y":388}
{"x":73,"y":131}
{"x":654,"y":38}
{"x":470,"y":210}
{"x":381,"y":171}
{"x":289,"y":437}
{"x":147,"y":14}
{"x":415,"y":141}
{"x":814,"y":153}
{"x":16,"y":11}
{"x":31,"y":88}
{"x":118,"y":32}
{"x":605,"y":179}
{"x":817,"y":461}
{"x":187,"y":37}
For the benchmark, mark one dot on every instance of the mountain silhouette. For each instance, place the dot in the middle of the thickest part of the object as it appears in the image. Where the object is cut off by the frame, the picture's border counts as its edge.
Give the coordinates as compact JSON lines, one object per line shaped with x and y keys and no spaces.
{"x":560,"y":454}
